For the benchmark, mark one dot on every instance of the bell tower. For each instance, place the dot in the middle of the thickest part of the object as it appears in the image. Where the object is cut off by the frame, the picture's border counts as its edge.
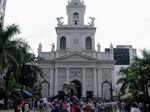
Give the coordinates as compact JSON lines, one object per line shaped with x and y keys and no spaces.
{"x":75,"y":12}
{"x":75,"y":35}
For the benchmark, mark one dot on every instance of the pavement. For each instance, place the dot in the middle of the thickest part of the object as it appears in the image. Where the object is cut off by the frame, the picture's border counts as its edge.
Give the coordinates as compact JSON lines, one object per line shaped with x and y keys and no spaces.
{"x":7,"y":110}
{"x":12,"y":110}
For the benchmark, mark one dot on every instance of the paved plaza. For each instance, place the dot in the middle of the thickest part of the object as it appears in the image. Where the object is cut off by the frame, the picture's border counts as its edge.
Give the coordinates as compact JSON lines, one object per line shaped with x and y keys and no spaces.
{"x":12,"y":110}
{"x":7,"y":110}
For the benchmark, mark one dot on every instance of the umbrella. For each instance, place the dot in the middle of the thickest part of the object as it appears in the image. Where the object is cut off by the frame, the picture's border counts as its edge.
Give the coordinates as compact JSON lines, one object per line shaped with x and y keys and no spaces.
{"x":27,"y":93}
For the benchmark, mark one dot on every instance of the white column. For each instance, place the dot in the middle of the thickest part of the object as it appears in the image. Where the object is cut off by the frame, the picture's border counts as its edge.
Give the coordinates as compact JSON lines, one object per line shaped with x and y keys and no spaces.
{"x":56,"y":81}
{"x":68,"y":42}
{"x":93,"y":41}
{"x":99,"y":82}
{"x":67,"y":75}
{"x":83,"y":42}
{"x":51,"y":82}
{"x":95,"y":82}
{"x":112,"y":77}
{"x":83,"y":83}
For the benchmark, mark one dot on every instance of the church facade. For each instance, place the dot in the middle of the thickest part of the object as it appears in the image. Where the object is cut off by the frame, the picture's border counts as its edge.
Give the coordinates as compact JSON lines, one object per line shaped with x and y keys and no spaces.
{"x":75,"y":60}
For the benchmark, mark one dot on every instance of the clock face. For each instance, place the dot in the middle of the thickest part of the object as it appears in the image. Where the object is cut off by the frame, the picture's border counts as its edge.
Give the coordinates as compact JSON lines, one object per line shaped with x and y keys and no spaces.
{"x":76,"y":42}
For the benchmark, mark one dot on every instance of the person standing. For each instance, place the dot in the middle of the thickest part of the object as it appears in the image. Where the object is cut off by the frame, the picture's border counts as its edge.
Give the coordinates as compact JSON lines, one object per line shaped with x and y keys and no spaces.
{"x":48,"y":106}
{"x":134,"y":108}
{"x":26,"y":107}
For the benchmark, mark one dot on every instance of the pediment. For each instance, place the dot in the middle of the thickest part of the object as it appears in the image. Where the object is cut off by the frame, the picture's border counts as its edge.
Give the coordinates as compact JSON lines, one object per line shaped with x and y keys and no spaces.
{"x":75,"y":58}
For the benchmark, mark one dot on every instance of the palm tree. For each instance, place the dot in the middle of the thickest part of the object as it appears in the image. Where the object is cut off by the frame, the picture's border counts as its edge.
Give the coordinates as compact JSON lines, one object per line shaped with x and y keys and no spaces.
{"x":6,"y":49}
{"x":6,"y":46}
{"x":15,"y":53}
{"x":130,"y":78}
{"x":144,"y":64}
{"x":137,"y":75}
{"x":29,"y":75}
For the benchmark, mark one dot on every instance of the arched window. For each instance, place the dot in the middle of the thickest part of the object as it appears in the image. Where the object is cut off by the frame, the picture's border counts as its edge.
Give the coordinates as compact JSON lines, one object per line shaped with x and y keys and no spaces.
{"x":62,"y":43}
{"x":88,"y":43}
{"x":76,"y":18}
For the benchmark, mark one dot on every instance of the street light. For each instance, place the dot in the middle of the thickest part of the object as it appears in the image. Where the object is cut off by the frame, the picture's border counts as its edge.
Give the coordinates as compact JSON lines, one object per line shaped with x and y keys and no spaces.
{"x":111,"y":91}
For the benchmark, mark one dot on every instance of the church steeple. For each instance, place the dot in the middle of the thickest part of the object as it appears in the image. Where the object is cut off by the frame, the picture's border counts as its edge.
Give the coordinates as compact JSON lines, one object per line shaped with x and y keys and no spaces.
{"x":76,"y":2}
{"x":75,"y":36}
{"x":75,"y":12}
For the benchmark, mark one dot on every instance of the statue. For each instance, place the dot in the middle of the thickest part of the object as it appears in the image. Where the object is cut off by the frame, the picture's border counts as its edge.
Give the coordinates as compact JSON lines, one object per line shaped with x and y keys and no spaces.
{"x":111,"y":47}
{"x":53,"y":47}
{"x":98,"y":47}
{"x":59,"y":20}
{"x":40,"y":48}
{"x":91,"y":23}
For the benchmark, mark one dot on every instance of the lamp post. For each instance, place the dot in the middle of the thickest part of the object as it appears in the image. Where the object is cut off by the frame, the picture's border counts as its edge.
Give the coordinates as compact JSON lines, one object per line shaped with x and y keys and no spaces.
{"x":111,"y":91}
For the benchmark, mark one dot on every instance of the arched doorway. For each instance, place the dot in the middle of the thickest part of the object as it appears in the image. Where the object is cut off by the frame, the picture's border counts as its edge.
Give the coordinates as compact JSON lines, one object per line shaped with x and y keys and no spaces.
{"x":45,"y":88}
{"x":78,"y":88}
{"x":107,"y":91}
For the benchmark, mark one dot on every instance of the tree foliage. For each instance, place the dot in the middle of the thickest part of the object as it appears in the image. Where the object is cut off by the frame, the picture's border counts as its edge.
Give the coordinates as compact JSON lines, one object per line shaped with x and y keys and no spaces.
{"x":6,"y":46}
{"x":137,"y":74}
{"x":15,"y":53}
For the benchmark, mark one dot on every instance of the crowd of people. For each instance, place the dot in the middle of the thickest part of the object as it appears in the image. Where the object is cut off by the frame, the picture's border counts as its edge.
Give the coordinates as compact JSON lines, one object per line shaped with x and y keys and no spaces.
{"x":68,"y":104}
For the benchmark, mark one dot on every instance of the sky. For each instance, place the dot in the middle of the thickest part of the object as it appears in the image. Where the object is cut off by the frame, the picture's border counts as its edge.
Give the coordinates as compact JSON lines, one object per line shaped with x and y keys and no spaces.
{"x":120,"y":22}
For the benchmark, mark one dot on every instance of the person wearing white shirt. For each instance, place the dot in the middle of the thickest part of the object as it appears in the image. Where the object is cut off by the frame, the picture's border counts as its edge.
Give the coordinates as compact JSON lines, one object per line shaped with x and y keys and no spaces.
{"x":26,"y":107}
{"x":135,"y":108}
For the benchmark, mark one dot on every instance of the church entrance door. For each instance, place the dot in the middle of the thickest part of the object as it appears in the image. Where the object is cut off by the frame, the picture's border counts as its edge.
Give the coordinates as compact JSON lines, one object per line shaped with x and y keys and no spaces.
{"x":78,"y":88}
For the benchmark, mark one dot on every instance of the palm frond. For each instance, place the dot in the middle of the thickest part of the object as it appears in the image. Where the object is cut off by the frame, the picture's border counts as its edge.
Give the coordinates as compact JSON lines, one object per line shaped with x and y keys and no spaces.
{"x":121,"y":80}
{"x":67,"y":87}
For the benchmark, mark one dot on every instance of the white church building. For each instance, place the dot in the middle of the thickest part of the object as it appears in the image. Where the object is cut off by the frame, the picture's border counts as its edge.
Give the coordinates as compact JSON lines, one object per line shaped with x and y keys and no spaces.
{"x":75,"y":60}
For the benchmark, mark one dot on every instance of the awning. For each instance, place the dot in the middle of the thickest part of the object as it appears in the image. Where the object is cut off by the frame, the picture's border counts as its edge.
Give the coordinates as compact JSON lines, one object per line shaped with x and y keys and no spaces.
{"x":27,"y":93}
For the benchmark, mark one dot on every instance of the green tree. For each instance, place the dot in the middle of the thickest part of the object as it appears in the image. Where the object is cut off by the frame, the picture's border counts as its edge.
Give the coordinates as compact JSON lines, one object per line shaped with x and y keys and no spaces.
{"x":14,"y":54}
{"x":36,"y":91}
{"x":137,"y":75}
{"x":6,"y":46}
{"x":30,"y":75}
{"x":144,"y":68}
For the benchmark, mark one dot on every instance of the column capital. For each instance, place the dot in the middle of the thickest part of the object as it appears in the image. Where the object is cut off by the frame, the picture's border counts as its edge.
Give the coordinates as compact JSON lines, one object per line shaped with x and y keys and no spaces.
{"x":112,"y":68}
{"x":56,"y":68}
{"x":67,"y":68}
{"x":51,"y":68}
{"x":83,"y":68}
{"x":94,"y":68}
{"x":99,"y":69}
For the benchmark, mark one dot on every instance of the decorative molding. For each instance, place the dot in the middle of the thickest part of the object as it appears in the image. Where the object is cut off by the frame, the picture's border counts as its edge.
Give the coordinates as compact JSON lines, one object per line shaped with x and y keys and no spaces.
{"x":74,"y":65}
